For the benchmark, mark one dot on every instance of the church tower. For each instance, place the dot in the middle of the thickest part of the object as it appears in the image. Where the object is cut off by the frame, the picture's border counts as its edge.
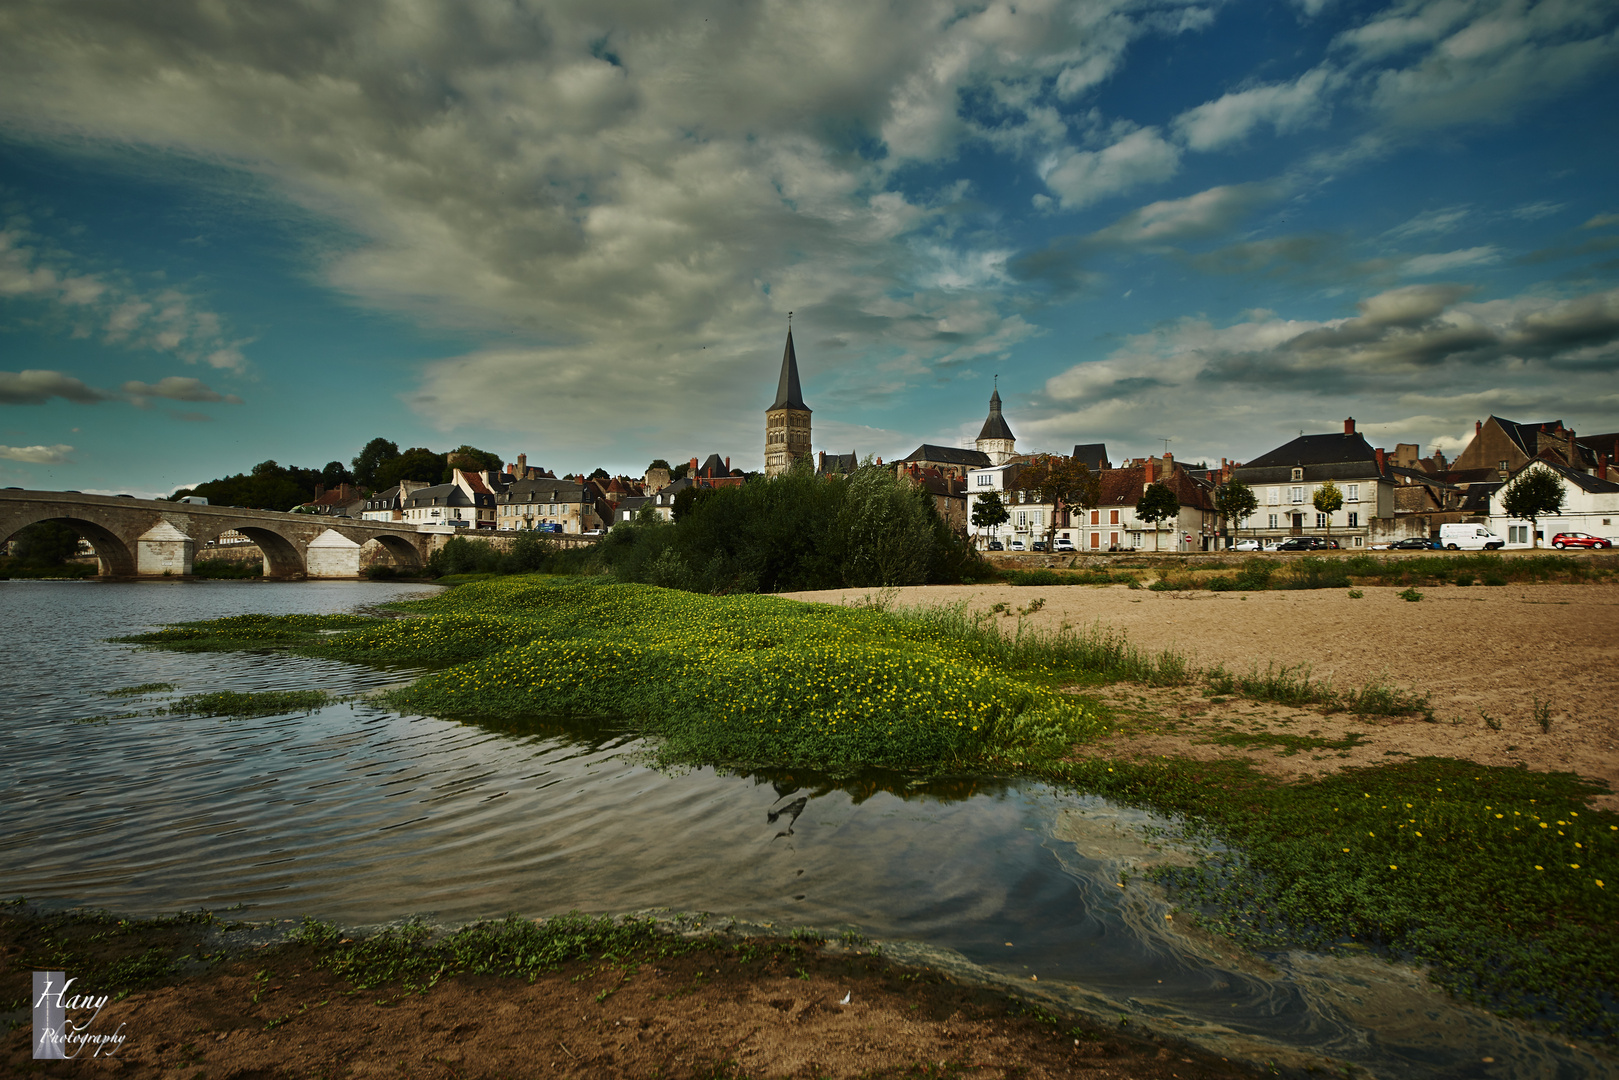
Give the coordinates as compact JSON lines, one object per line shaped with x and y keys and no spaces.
{"x":996,"y":438}
{"x":787,"y":422}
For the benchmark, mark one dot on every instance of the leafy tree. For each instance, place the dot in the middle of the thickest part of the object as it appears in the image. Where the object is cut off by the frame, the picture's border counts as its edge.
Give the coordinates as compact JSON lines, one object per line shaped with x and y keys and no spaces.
{"x":989,"y":511}
{"x":1536,"y":492}
{"x":679,"y":471}
{"x":45,"y":543}
{"x":1065,"y":483}
{"x":372,"y":457}
{"x":468,"y":459}
{"x":1328,"y":500}
{"x":658,"y":463}
{"x":686,"y":498}
{"x":267,"y":487}
{"x":1158,"y":503}
{"x":600,"y":474}
{"x":334,"y":474}
{"x":1236,"y":502}
{"x":418,"y":464}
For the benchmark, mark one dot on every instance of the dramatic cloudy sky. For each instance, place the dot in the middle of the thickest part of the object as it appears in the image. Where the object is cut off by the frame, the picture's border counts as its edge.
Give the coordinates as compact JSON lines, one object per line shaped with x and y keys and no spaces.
{"x":239,"y":231}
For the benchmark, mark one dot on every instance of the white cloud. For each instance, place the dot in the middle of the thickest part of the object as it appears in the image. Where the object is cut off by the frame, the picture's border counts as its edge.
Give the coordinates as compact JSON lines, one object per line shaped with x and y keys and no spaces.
{"x":1081,"y":177}
{"x":112,"y":306}
{"x":35,"y":387}
{"x":1430,"y":223}
{"x":1423,"y":265}
{"x":1284,"y":107}
{"x":37,"y":455}
{"x":176,"y":388}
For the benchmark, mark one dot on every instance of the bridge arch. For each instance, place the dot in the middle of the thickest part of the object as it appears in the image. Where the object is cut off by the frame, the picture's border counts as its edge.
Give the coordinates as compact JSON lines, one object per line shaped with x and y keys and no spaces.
{"x":117,"y":560}
{"x":404,"y":552}
{"x":281,"y":556}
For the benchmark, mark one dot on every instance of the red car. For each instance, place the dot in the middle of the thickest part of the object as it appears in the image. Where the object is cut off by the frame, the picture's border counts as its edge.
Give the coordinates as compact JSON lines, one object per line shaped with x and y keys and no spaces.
{"x":1585,"y":540}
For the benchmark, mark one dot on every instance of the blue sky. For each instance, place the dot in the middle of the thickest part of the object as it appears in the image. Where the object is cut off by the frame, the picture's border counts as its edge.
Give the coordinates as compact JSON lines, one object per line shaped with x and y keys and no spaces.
{"x":230,"y":233}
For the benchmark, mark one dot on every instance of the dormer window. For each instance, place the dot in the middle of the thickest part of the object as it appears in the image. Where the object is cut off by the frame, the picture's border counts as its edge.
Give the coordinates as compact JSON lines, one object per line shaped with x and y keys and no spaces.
{"x":1298,"y":474}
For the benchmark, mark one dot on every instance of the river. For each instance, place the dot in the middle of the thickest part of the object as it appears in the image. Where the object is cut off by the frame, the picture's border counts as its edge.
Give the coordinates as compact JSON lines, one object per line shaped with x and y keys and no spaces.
{"x":359,"y":815}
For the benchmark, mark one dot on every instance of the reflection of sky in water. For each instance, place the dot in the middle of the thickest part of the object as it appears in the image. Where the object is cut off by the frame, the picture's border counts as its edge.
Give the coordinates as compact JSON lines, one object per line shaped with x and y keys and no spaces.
{"x":360,"y":815}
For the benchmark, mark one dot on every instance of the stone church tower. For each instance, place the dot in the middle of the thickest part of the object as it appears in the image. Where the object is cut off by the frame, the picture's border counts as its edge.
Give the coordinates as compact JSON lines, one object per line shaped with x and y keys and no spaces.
{"x":996,"y":438}
{"x":787,"y":422}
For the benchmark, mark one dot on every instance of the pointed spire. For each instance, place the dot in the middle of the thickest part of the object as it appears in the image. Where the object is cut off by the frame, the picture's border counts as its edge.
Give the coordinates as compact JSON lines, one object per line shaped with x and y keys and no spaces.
{"x":995,"y":425}
{"x":788,"y":394}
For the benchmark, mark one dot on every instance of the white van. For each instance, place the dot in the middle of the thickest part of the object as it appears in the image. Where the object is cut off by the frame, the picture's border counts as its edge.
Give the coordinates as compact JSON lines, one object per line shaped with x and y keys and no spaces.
{"x":1464,"y":537}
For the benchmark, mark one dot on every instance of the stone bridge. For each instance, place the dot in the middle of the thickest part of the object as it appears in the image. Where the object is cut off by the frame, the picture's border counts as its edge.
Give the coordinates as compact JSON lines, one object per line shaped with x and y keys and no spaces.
{"x":153,"y":538}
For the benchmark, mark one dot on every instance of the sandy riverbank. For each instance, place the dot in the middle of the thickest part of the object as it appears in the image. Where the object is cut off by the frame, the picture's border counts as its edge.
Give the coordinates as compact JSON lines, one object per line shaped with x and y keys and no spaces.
{"x":1470,"y":648}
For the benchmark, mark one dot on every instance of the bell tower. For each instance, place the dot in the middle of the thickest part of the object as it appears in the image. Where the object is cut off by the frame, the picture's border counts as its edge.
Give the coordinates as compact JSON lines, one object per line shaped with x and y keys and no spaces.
{"x":996,"y":439}
{"x":787,"y":422}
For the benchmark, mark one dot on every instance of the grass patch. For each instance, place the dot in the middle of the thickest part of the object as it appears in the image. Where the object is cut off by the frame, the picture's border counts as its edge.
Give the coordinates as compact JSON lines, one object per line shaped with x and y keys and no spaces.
{"x":1294,"y":686}
{"x":1501,"y":878}
{"x":1069,"y":577}
{"x":235,"y":706}
{"x":141,"y":690}
{"x":10,"y":568}
{"x":1290,"y":744}
{"x":240,"y":632}
{"x":105,"y":953}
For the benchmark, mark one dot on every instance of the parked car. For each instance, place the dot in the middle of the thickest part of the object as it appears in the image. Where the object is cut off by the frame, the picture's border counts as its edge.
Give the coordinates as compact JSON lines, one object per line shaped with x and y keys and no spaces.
{"x":1466,"y":536}
{"x":1064,"y":544}
{"x":1412,"y":543}
{"x":995,"y":545}
{"x":1307,"y":543}
{"x":1584,"y":540}
{"x":1016,"y":545}
{"x":1246,"y":545}
{"x":1038,"y":545}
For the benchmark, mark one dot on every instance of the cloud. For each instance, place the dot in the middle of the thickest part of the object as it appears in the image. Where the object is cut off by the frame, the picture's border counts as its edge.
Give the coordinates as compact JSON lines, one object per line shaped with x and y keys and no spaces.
{"x":1423,"y":265}
{"x":1284,"y":107}
{"x":1247,"y":386}
{"x":37,"y":387}
{"x":175,"y":388}
{"x":1081,"y":177}
{"x":1430,"y":223}
{"x":1601,"y":221}
{"x":112,"y":306}
{"x":37,"y":455}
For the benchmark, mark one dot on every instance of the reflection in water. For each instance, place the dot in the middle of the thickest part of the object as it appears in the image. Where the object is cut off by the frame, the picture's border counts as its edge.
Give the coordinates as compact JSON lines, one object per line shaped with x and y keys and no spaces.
{"x":360,"y":815}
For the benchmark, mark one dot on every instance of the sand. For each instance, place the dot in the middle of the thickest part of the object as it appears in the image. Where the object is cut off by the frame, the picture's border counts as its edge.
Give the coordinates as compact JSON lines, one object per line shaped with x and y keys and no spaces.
{"x":1476,"y":651}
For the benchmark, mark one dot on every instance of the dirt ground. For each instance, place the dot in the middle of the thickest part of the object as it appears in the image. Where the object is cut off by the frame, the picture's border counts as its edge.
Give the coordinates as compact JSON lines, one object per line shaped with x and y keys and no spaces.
{"x":801,"y":1012}
{"x":1481,"y":654}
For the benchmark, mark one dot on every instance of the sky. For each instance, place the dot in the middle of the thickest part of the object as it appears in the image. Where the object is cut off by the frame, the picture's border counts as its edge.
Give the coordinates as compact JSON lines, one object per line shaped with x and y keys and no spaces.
{"x":575,"y":230}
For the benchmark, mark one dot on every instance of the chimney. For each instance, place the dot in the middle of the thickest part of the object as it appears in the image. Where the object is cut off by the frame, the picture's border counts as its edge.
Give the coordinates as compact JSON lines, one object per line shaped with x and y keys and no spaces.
{"x":1349,"y":426}
{"x":692,"y":471}
{"x":1573,"y":462}
{"x":1382,"y":465}
{"x":522,"y":461}
{"x":727,"y":464}
{"x":1150,"y":472}
{"x":820,"y":462}
{"x":1478,"y":426}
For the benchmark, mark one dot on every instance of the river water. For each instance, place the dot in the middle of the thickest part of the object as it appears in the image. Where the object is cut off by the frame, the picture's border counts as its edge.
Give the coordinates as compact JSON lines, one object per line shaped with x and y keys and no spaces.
{"x":360,"y":815}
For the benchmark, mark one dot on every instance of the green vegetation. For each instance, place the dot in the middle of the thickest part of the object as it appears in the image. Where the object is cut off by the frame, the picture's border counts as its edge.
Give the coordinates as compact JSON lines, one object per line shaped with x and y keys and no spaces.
{"x":111,"y":954}
{"x":1294,"y":686}
{"x":242,"y":632}
{"x":1496,"y":876}
{"x":1259,"y":573}
{"x":233,"y":705}
{"x":42,"y":550}
{"x":1071,"y":577}
{"x":140,"y":691}
{"x":1536,"y":492}
{"x":795,"y":532}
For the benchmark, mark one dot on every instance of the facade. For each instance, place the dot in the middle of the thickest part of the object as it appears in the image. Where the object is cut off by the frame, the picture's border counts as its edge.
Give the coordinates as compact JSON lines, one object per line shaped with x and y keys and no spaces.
{"x":1286,"y":479}
{"x":787,"y":421}
{"x":1590,"y":505}
{"x":1504,"y":446}
{"x":1112,"y":525}
{"x":548,"y":505}
{"x":947,"y":459}
{"x":995,"y":439}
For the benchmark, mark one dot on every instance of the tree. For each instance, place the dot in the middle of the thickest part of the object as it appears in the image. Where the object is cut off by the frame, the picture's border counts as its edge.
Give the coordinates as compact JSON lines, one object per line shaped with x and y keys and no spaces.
{"x":1536,"y":492}
{"x":418,"y":464}
{"x":989,"y":511}
{"x":45,"y":543}
{"x":1064,"y":482}
{"x":469,"y":459}
{"x":334,"y":474}
{"x":1328,"y":500}
{"x":1236,"y":501}
{"x":658,"y":463}
{"x":1158,"y":503}
{"x":373,"y":456}
{"x":600,"y":474}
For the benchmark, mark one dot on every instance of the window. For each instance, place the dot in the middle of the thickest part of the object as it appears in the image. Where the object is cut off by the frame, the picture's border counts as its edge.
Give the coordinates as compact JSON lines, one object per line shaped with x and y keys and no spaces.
{"x":1272,"y":524}
{"x":1502,"y":465}
{"x":1273,"y":496}
{"x":983,"y":479}
{"x":1360,"y":541}
{"x":1022,"y":518}
{"x":1096,"y":541}
{"x":1517,"y":534}
{"x":1096,"y":519}
{"x":1296,"y":495}
{"x":1037,"y":518}
{"x":1321,"y":521}
{"x":1135,"y":539}
{"x":1354,"y":520}
{"x":1352,"y":493}
{"x":1298,"y":474}
{"x":1112,"y":517}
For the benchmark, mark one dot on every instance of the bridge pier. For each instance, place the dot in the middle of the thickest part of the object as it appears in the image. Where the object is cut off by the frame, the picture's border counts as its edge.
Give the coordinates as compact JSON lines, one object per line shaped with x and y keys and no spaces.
{"x":332,"y":555}
{"x":163,"y":550}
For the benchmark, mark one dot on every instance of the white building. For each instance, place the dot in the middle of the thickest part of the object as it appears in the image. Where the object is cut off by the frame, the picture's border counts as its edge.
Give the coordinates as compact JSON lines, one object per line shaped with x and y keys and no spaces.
{"x":1590,"y":505}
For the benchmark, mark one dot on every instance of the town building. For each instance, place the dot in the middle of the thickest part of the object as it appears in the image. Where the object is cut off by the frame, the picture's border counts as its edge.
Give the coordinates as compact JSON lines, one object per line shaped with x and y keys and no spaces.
{"x":1286,"y":479}
{"x":995,"y":438}
{"x":549,"y":505}
{"x":466,"y":502}
{"x":1590,"y":505}
{"x":1112,"y":524}
{"x":787,"y":421}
